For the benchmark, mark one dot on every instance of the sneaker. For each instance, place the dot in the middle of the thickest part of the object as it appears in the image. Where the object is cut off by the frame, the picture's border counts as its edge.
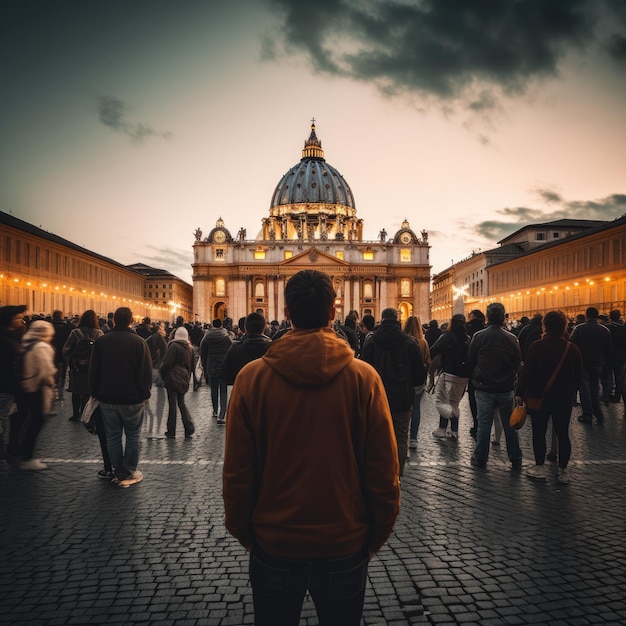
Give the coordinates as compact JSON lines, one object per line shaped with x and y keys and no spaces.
{"x":538,"y":472}
{"x":562,"y":476}
{"x":413,"y":444}
{"x":33,"y":465}
{"x":214,"y":413}
{"x":105,"y":475}
{"x":454,"y":434}
{"x":551,"y":457}
{"x":135,"y":477}
{"x":477,"y":462}
{"x":221,"y":421}
{"x":72,"y":419}
{"x":440,"y":433}
{"x":495,"y":442}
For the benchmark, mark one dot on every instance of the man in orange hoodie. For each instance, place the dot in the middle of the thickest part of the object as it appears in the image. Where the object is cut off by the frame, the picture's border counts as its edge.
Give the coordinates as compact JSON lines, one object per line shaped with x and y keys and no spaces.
{"x":311,"y":484}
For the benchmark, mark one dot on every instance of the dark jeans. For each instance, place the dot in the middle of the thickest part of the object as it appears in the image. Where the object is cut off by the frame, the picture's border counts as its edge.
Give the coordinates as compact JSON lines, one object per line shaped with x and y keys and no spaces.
{"x":560,"y":423}
{"x":336,"y":586}
{"x":173,"y":399}
{"x":219,"y":394}
{"x":590,"y":392}
{"x":102,"y":437}
{"x":25,"y":425}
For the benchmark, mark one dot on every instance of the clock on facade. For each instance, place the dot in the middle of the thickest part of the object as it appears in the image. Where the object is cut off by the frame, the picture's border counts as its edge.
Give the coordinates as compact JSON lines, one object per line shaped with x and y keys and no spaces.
{"x":405,"y":238}
{"x":219,"y":236}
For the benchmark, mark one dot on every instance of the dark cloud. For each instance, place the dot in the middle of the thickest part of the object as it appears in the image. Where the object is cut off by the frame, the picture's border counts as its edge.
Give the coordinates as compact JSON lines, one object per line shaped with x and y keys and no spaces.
{"x":112,"y":113}
{"x":513,"y":218}
{"x":445,"y":49}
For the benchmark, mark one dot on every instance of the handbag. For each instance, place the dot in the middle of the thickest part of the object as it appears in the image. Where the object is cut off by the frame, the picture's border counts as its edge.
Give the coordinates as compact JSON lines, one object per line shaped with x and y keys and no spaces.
{"x":518,"y":416}
{"x":88,"y":416}
{"x":533,"y":403}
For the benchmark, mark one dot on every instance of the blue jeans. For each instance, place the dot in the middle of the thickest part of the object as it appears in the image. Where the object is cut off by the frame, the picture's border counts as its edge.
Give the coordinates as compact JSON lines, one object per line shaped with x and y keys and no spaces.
{"x":590,"y":392}
{"x":219,"y":394}
{"x":486,"y":405}
{"x":126,"y":418}
{"x":336,"y":586}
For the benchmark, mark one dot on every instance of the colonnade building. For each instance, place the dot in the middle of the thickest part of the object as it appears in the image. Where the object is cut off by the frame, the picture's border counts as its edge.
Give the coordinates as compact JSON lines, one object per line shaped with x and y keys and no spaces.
{"x":46,"y":273}
{"x":312,"y":224}
{"x":566,"y":264}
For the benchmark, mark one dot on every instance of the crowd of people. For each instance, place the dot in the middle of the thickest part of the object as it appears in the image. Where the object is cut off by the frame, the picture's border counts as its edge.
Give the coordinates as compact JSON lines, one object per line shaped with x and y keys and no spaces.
{"x":370,"y":375}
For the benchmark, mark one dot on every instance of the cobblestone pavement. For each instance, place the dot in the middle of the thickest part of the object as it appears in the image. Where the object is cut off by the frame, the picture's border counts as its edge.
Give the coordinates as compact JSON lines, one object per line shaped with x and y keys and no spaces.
{"x":471,"y":546}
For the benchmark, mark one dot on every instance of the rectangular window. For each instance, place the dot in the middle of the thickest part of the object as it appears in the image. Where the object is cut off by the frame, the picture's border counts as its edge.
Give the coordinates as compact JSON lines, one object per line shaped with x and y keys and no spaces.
{"x":219,"y":254}
{"x":288,"y":254}
{"x":259,"y":255}
{"x":540,"y":236}
{"x":368,"y":255}
{"x":339,"y":255}
{"x":405,"y":255}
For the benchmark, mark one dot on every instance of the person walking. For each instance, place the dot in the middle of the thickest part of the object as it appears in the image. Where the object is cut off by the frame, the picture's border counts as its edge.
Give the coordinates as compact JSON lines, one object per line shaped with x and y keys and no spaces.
{"x":594,"y":342}
{"x":76,"y":354}
{"x":12,"y":328}
{"x":310,"y":478}
{"x":158,"y":346}
{"x":176,"y":374}
{"x":543,"y":360}
{"x":120,"y":377}
{"x":494,"y":359}
{"x":413,"y":328}
{"x":398,"y":360}
{"x":253,"y":345}
{"x":475,"y":322}
{"x":213,"y":348}
{"x":452,"y":346}
{"x":38,"y":375}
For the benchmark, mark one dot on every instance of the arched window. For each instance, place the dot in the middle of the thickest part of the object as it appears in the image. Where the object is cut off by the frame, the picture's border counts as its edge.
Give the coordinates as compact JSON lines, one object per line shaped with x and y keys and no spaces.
{"x":405,"y":288}
{"x":259,"y":290}
{"x":368,"y":290}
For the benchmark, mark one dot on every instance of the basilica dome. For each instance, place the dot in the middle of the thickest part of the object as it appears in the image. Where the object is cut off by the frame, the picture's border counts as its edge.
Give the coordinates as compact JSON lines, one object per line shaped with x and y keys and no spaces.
{"x":313,"y":180}
{"x":312,"y":201}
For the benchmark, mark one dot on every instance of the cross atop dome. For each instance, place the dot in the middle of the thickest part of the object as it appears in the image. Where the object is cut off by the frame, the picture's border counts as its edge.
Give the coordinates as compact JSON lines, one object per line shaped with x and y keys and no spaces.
{"x":313,"y":146}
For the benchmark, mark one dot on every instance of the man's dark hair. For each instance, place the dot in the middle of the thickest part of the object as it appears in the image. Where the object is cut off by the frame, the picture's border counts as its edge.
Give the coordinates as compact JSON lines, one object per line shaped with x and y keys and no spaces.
{"x":216,"y":323}
{"x":537,"y":317}
{"x":255,"y":324}
{"x":477,"y":314}
{"x":123,"y":317}
{"x":592,"y":313}
{"x":369,"y":321}
{"x":615,"y":315}
{"x":389,"y":314}
{"x":555,"y":323}
{"x":310,"y":297}
{"x":495,"y":313}
{"x":350,"y":323}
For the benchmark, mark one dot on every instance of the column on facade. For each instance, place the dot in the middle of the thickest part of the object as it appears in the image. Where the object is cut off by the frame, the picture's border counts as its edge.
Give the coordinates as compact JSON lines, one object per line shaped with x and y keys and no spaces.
{"x":356,"y":296}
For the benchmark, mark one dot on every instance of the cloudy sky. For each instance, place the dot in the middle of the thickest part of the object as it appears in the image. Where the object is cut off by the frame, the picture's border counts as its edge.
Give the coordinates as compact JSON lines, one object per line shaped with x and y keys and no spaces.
{"x":127,"y":124}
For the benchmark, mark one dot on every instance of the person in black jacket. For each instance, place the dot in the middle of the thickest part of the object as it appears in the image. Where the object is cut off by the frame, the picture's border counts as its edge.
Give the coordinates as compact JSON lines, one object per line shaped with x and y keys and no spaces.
{"x":594,"y":342}
{"x":540,"y":364}
{"x":253,"y":345}
{"x":120,"y":377}
{"x":494,"y":358}
{"x":452,"y":346}
{"x":530,"y":333}
{"x":475,"y":322}
{"x":398,"y":359}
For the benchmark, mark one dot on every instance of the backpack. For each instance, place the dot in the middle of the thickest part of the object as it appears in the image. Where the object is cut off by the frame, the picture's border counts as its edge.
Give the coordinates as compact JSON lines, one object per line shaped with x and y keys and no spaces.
{"x":20,"y":367}
{"x":81,"y":354}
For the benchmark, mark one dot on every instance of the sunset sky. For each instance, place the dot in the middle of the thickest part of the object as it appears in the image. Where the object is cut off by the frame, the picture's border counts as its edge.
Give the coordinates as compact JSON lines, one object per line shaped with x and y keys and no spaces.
{"x":125,"y":125}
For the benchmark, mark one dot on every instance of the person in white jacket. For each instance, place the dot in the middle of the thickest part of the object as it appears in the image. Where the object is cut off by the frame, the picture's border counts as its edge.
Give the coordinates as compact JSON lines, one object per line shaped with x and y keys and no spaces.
{"x":38,"y":376}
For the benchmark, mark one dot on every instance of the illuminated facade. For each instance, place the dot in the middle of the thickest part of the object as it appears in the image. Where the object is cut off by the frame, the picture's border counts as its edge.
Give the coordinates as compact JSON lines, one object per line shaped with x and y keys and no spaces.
{"x":48,"y":273}
{"x":312,"y":224}
{"x":567,"y":265}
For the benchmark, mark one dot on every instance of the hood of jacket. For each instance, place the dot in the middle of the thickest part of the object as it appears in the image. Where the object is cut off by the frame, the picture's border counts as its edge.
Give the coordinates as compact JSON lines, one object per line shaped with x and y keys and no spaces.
{"x":389,"y":335}
{"x":309,"y":357}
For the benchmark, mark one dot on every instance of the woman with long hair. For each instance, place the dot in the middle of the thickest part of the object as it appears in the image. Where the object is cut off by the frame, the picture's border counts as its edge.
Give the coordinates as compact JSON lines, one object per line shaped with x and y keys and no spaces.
{"x":77,"y":353}
{"x":452,"y":346}
{"x":413,"y":328}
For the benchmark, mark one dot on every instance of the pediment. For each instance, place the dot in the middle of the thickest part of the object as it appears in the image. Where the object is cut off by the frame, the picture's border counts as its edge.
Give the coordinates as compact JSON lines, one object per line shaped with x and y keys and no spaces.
{"x":312,"y":257}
